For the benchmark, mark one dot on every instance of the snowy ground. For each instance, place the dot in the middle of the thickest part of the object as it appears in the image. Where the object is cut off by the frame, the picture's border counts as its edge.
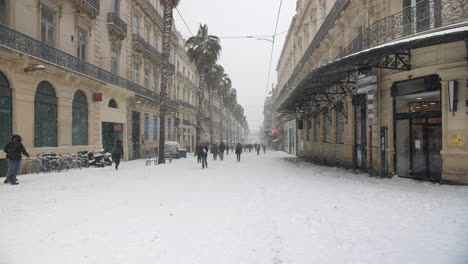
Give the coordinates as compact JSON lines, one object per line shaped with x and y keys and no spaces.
{"x":262,"y":210}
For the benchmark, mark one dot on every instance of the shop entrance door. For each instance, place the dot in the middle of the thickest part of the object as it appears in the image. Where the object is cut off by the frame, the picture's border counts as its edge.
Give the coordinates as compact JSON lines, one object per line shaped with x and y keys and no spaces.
{"x":425,"y":145}
{"x":136,"y":134}
{"x":360,"y":146}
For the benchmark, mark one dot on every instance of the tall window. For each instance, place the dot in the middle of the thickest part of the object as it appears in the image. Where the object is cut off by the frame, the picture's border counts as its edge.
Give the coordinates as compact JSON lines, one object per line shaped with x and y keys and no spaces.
{"x":147,"y":33}
{"x":340,"y":122}
{"x":156,"y":41}
{"x":5,"y":110}
{"x":116,"y":7}
{"x":114,"y":61}
{"x":309,"y":127}
{"x":45,"y":116}
{"x":317,"y":128}
{"x":169,"y":129}
{"x":155,"y":128}
{"x":146,"y":80}
{"x":80,"y":119}
{"x":136,"y":24}
{"x":146,"y":127}
{"x":3,"y":12}
{"x":47,"y":25}
{"x":136,"y":72}
{"x":326,"y":126}
{"x":81,"y":44}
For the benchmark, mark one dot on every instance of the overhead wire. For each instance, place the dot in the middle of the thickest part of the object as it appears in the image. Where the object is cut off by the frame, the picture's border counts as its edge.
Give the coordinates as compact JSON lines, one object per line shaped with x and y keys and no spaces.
{"x":273,"y":47}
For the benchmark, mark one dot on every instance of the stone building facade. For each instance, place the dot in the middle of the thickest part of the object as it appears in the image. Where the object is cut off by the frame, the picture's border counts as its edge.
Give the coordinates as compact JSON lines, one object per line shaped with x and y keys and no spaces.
{"x":378,"y":86}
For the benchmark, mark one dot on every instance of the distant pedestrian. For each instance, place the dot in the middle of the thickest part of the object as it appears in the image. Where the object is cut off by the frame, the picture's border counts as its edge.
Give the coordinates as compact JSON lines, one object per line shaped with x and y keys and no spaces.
{"x":214,"y":151}
{"x":198,"y":153}
{"x":118,"y":153}
{"x":13,"y":149}
{"x":204,"y":157}
{"x":221,"y":148}
{"x":264,"y":148}
{"x":257,"y":148}
{"x":227,"y":149}
{"x":238,"y":151}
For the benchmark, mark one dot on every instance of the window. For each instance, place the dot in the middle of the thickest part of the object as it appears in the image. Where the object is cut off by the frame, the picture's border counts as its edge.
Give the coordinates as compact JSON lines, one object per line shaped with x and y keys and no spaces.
{"x":81,"y":44}
{"x":136,"y":24}
{"x":80,"y":119}
{"x":146,"y":80}
{"x":147,"y":34}
{"x":146,"y":127}
{"x":114,"y":61}
{"x":156,"y":80}
{"x":156,"y":41}
{"x":317,"y":128}
{"x":45,"y":116}
{"x":136,"y":72}
{"x":326,"y":126}
{"x":47,"y":25}
{"x":309,"y":127}
{"x":155,"y":128}
{"x":169,"y":129}
{"x":155,"y":3}
{"x":112,"y":103}
{"x":3,"y":12}
{"x":116,"y":7}
{"x":5,"y":110}
{"x":340,"y":123}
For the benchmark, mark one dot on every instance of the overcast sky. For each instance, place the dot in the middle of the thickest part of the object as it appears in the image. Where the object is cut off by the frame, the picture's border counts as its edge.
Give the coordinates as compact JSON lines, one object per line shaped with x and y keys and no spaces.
{"x":245,"y":60}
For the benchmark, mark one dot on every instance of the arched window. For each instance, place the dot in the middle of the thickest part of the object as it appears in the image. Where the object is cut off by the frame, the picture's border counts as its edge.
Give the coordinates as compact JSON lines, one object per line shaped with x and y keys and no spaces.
{"x":45,"y":116}
{"x":79,"y":119}
{"x":112,"y":103}
{"x":5,"y":110}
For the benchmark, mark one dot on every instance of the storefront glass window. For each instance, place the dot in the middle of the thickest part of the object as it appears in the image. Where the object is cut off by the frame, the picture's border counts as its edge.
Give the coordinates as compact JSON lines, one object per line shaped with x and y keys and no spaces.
{"x":80,"y":119}
{"x":5,"y":110}
{"x":45,"y":116}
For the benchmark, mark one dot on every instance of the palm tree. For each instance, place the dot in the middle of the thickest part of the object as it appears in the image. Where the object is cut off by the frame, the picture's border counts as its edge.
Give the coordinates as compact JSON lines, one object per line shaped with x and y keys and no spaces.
{"x":204,"y":51}
{"x":213,"y":81}
{"x":223,"y":90}
{"x":169,"y":5}
{"x":231,"y":101}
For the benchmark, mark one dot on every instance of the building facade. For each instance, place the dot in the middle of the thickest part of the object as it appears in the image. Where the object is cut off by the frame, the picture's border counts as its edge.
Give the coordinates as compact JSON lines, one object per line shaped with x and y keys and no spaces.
{"x":378,"y":86}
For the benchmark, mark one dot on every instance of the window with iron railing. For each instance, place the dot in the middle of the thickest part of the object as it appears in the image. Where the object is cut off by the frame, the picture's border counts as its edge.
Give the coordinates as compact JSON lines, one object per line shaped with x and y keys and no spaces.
{"x":4,"y":12}
{"x":114,"y":61}
{"x":81,"y":44}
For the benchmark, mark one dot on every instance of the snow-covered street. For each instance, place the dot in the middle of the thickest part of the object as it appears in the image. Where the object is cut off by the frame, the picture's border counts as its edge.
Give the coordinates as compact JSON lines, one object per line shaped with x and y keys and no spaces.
{"x":265,"y":209}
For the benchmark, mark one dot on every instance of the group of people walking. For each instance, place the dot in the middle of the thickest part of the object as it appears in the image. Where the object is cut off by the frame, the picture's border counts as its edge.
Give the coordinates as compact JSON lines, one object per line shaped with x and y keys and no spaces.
{"x":202,"y":152}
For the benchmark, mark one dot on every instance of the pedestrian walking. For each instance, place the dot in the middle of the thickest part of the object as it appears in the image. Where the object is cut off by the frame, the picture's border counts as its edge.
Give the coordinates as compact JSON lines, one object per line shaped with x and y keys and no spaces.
{"x":222,"y":147}
{"x":204,"y":157}
{"x":214,"y":151}
{"x":257,"y":148}
{"x":227,"y":149}
{"x":264,"y":148}
{"x":199,"y":153}
{"x":118,"y":153}
{"x":13,"y":149}
{"x":238,"y":151}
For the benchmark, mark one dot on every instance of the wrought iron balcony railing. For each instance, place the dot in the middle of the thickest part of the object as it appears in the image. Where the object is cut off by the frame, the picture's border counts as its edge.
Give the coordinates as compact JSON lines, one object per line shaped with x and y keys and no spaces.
{"x":187,"y":105}
{"x":152,"y":51}
{"x":94,"y":4}
{"x":152,"y":10}
{"x":17,"y":41}
{"x":425,"y":16}
{"x":186,"y":123}
{"x":117,"y":24}
{"x":186,"y":80}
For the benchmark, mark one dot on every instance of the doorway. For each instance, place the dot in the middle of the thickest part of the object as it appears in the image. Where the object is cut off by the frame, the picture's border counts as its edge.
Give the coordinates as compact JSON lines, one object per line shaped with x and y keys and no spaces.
{"x":418,"y":130}
{"x":360,"y":132}
{"x":111,"y":132}
{"x":136,"y":134}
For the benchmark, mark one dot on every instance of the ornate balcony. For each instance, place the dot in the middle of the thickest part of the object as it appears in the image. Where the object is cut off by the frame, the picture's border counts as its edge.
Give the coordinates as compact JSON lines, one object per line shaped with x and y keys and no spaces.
{"x":116,"y":25}
{"x":21,"y":43}
{"x":408,"y":23}
{"x":186,"y":123}
{"x":142,"y":45}
{"x":151,"y":10}
{"x":187,"y":105}
{"x":91,"y":7}
{"x":186,"y":80}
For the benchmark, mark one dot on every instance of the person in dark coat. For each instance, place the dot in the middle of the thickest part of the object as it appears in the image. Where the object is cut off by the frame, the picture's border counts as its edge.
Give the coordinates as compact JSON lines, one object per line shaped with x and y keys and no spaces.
{"x":118,"y":153}
{"x":227,"y":149}
{"x":214,"y":150}
{"x":238,"y":151}
{"x":204,"y":157}
{"x":222,"y":147}
{"x":257,"y":148}
{"x":198,"y":153}
{"x":13,"y":149}
{"x":264,"y":148}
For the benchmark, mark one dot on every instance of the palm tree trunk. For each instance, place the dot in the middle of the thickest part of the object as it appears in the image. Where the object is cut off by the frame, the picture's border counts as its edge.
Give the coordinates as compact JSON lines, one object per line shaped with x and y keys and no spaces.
{"x":164,"y":76}
{"x":210,"y":101}
{"x":201,"y":96}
